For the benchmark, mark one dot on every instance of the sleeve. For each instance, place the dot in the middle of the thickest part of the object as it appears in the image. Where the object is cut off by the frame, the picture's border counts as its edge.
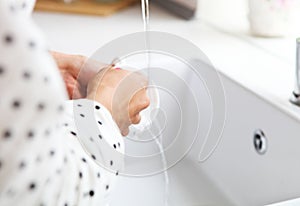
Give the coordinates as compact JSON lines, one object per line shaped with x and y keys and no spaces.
{"x":52,"y":152}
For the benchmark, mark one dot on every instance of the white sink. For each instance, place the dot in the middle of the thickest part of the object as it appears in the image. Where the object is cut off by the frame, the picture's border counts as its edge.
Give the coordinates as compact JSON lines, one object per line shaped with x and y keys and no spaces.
{"x":235,"y":173}
{"x":224,"y":170}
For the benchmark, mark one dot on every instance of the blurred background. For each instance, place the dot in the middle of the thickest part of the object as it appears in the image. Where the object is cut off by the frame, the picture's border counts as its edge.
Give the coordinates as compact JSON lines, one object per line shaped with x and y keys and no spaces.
{"x":268,"y":18}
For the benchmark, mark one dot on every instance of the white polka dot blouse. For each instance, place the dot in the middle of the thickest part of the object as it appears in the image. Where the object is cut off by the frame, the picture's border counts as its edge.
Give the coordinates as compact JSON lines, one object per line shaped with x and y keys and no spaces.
{"x":52,"y":151}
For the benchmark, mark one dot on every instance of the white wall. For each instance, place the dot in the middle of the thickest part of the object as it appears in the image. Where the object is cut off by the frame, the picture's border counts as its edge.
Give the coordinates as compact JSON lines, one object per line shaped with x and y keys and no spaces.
{"x":230,"y":12}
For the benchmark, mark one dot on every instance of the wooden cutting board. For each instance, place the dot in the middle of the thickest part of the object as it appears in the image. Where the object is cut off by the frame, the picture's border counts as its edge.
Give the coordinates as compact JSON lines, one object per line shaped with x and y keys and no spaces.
{"x":90,"y":7}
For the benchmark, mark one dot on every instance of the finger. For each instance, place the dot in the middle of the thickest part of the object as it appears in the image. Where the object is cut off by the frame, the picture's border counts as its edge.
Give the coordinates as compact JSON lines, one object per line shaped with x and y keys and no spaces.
{"x":77,"y":92}
{"x":74,"y":90}
{"x":69,"y":83}
{"x":136,"y":119}
{"x":144,"y":103}
{"x":72,"y":86}
{"x":140,"y":102}
{"x":125,"y":132}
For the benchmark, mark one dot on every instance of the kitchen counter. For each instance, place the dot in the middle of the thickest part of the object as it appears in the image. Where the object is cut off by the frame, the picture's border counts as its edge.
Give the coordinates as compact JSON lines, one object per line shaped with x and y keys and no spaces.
{"x":264,"y":66}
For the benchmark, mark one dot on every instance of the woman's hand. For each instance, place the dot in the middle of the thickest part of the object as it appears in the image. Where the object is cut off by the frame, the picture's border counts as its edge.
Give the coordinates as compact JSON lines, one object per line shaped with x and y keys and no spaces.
{"x":71,"y":66}
{"x":123,"y":93}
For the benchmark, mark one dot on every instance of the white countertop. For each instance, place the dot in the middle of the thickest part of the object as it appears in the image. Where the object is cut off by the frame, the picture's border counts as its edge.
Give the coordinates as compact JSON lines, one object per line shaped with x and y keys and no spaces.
{"x":265,"y":66}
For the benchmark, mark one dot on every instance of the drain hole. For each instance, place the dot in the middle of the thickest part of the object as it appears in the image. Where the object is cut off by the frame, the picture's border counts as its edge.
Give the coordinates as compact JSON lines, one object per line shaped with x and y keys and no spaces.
{"x":260,"y":142}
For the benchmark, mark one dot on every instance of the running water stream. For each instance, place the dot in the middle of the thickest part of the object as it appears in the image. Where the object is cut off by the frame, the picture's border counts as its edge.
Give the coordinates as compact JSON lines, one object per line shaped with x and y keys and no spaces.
{"x":158,"y":139}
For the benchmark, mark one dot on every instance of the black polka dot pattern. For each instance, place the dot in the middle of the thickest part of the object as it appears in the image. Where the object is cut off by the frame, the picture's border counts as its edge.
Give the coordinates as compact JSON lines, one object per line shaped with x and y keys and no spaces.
{"x":46,"y":79}
{"x":36,"y":125}
{"x":82,"y":116}
{"x":73,"y":133}
{"x":58,"y":171}
{"x":8,"y":39}
{"x":22,"y":165}
{"x":16,"y":104}
{"x":23,"y":5}
{"x":30,"y":134}
{"x":32,"y":44}
{"x":7,"y":134}
{"x":91,"y":193}
{"x":41,"y":106}
{"x":60,"y":108}
{"x":52,"y":152}
{"x":93,"y":156}
{"x":1,"y":70}
{"x":32,"y":186}
{"x":12,"y":8}
{"x":26,"y":75}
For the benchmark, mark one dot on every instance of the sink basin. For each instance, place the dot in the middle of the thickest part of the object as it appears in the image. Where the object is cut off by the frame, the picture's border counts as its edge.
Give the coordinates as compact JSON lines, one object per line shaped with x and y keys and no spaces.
{"x":224,"y":145}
